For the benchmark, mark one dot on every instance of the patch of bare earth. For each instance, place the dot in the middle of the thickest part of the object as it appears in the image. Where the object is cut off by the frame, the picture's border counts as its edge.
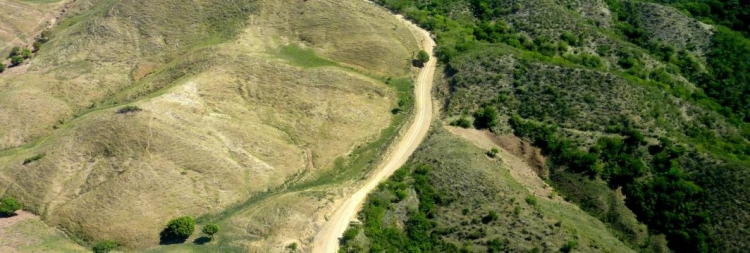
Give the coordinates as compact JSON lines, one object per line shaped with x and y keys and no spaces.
{"x":10,"y":221}
{"x":524,"y":162}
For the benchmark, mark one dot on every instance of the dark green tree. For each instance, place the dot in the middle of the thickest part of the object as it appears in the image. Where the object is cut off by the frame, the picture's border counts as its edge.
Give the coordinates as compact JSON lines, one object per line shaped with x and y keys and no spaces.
{"x":9,"y":206}
{"x":178,"y":229}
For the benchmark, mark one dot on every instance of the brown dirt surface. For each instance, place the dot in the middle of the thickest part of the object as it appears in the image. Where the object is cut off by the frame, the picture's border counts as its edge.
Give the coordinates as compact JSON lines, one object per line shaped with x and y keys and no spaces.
{"x":523,"y":160}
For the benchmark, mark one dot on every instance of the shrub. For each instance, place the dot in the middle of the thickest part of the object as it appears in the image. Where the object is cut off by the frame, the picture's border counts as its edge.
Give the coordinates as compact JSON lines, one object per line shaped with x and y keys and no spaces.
{"x":569,"y":246}
{"x":462,"y":122}
{"x":292,"y":247}
{"x":9,"y":206}
{"x":493,"y":152}
{"x":210,"y":230}
{"x":491,"y":216}
{"x":485,"y":117}
{"x":531,"y":200}
{"x":128,"y":109}
{"x":26,"y":53}
{"x":178,"y":229}
{"x":2,"y":67}
{"x":16,"y":60}
{"x":37,"y":45}
{"x":33,"y":158}
{"x":14,"y":51}
{"x":423,"y":57}
{"x":104,"y":246}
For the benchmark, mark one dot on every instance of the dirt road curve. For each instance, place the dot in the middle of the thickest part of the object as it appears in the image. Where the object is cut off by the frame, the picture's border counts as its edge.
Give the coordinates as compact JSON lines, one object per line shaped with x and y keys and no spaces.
{"x":327,"y":240}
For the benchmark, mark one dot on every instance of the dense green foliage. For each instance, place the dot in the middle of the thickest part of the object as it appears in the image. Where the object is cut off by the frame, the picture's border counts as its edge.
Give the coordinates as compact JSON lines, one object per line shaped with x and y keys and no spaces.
{"x":661,"y":194}
{"x":104,"y":246}
{"x":178,"y":229}
{"x":731,"y":13}
{"x":667,"y":145}
{"x":9,"y":206}
{"x":417,"y":235}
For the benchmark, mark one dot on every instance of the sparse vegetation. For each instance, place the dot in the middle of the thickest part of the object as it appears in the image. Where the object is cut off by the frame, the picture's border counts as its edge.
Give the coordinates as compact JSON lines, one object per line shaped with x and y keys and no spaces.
{"x":440,"y":220}
{"x":9,"y":206}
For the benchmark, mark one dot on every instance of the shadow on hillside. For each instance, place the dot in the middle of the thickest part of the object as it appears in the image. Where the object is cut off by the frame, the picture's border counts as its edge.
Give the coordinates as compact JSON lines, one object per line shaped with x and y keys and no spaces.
{"x":202,"y":240}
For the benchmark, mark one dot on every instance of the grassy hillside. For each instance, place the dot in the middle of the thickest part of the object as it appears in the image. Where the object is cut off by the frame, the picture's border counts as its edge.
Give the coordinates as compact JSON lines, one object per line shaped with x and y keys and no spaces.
{"x":452,"y":197}
{"x":143,"y":111}
{"x":627,"y":99}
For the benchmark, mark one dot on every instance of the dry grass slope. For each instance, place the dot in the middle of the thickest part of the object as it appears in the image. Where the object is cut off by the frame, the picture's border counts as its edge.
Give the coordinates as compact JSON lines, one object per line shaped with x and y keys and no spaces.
{"x":225,"y":114}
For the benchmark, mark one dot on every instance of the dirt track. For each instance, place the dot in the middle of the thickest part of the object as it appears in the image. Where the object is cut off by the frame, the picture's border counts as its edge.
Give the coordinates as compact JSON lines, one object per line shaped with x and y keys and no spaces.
{"x":327,"y":240}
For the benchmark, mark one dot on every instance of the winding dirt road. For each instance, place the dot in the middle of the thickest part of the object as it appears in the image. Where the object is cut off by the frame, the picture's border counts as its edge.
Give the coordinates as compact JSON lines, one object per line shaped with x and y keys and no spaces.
{"x":327,"y":240}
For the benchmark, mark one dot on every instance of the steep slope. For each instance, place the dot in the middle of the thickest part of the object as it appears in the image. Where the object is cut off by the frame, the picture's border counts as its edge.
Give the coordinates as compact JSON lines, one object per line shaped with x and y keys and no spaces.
{"x":637,"y":106}
{"x":226,"y":100}
{"x":451,"y":197}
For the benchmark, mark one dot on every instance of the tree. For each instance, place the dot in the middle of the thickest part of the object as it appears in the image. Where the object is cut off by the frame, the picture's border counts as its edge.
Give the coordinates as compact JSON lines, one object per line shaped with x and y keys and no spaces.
{"x":9,"y":206}
{"x":423,"y":57}
{"x":104,"y":246}
{"x":16,"y":60}
{"x":2,"y":67}
{"x":210,"y":230}
{"x":178,"y":229}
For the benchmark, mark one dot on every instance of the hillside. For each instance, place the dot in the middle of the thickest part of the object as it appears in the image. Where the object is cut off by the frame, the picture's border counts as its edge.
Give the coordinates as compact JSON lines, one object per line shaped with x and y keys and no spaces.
{"x":465,"y":201}
{"x":638,"y":106}
{"x":143,"y":111}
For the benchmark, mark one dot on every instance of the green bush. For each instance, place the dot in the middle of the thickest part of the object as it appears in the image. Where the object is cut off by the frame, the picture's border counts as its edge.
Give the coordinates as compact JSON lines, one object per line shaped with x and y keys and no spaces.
{"x":569,"y":246}
{"x":462,"y":122}
{"x":2,"y":67}
{"x":14,"y":51}
{"x":423,"y":56}
{"x":16,"y":60}
{"x":26,"y":53}
{"x":178,"y":229}
{"x":9,"y":206}
{"x":485,"y":117}
{"x":531,"y":200}
{"x":104,"y":246}
{"x":210,"y":230}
